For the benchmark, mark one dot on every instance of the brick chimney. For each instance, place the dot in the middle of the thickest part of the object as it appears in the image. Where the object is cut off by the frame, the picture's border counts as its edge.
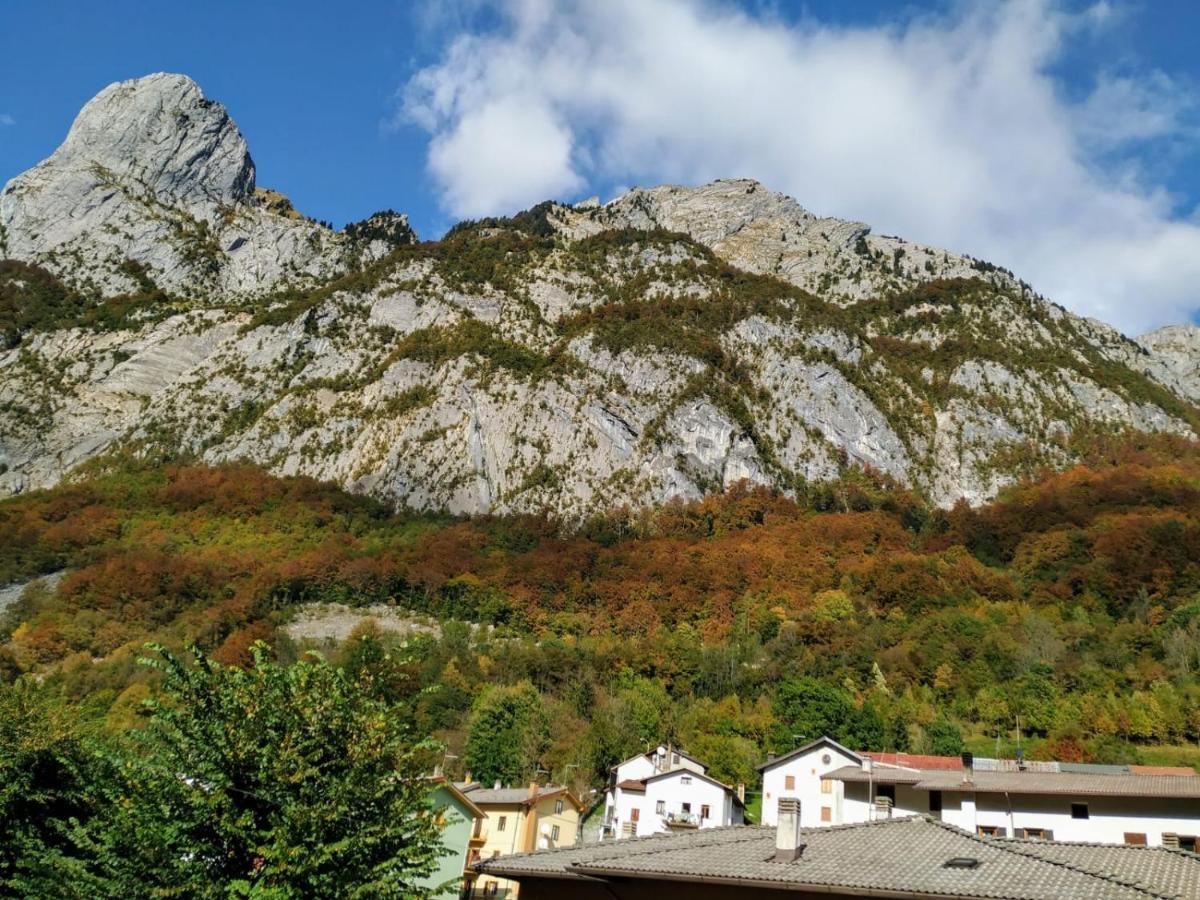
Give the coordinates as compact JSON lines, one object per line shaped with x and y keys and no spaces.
{"x":533,"y":789}
{"x":788,"y":845}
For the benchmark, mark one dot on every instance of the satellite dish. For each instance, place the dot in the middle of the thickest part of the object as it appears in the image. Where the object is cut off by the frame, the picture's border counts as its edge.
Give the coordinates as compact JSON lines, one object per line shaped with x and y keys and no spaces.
{"x":662,"y":751}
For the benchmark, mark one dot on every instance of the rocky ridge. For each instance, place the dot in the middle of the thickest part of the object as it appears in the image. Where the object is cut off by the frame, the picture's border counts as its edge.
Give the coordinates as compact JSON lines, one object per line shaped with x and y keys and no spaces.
{"x":155,"y":178}
{"x":570,"y":359}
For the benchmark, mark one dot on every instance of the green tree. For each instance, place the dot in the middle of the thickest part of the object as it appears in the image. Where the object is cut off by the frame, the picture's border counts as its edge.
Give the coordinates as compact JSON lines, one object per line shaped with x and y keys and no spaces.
{"x":867,"y":730}
{"x":276,"y":781}
{"x":942,"y":738}
{"x":806,"y":709}
{"x":45,"y":772}
{"x":508,"y":734}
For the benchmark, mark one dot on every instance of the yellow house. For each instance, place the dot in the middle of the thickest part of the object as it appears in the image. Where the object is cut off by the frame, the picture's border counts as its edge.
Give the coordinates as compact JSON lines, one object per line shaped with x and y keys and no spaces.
{"x":518,"y":820}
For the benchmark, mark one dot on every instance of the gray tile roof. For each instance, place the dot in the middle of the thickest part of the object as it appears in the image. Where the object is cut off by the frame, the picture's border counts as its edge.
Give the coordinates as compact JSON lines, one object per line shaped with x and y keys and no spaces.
{"x":507,"y":796}
{"x":784,"y":757}
{"x":1073,"y":783}
{"x":1156,"y":868}
{"x":905,"y":855}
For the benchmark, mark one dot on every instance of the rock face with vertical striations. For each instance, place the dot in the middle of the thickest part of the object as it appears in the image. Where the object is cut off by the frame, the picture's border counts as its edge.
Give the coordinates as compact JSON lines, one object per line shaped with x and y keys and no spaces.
{"x":670,"y":343}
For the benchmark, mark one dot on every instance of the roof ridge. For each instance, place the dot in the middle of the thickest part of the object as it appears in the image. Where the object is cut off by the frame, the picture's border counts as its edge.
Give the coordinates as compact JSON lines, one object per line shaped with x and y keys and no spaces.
{"x":1014,"y":845}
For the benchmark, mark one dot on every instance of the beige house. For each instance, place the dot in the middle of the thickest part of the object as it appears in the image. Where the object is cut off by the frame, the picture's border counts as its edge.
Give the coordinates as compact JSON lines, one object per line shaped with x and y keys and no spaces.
{"x":519,"y":820}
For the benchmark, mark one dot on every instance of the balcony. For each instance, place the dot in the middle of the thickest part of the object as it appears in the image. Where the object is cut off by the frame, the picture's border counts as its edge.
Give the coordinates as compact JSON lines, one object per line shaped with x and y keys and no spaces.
{"x":682,"y":820}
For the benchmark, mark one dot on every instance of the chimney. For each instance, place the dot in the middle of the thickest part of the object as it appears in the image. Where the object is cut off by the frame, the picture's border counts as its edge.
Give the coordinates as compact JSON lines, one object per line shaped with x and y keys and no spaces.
{"x":533,"y":789}
{"x":968,"y":763}
{"x":496,"y":786}
{"x":788,"y":845}
{"x":741,"y":794}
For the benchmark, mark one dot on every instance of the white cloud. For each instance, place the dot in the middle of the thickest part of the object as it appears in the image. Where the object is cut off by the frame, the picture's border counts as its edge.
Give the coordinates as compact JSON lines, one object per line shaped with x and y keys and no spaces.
{"x":6,"y":119}
{"x":947,"y":130}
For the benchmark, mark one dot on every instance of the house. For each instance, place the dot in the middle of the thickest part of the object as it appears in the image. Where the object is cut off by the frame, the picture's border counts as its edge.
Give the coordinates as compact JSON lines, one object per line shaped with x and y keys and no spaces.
{"x":801,"y":775}
{"x":519,"y":820}
{"x":664,"y":790}
{"x":998,"y":798}
{"x":917,"y":858}
{"x":460,"y":820}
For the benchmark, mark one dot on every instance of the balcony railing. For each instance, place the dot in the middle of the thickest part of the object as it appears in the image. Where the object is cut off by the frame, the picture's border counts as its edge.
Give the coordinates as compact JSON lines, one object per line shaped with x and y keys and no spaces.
{"x":682,"y":820}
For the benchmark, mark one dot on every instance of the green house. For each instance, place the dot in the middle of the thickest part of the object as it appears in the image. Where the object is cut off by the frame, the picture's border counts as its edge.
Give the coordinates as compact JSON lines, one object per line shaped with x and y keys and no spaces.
{"x":459,"y":815}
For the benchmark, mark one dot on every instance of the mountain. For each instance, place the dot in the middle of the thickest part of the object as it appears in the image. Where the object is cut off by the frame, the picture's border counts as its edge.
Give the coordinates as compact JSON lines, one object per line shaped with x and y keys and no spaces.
{"x":568,"y":359}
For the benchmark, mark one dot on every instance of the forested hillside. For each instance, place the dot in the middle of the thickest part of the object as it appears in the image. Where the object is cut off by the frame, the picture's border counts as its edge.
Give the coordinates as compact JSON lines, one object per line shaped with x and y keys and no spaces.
{"x":730,"y":625}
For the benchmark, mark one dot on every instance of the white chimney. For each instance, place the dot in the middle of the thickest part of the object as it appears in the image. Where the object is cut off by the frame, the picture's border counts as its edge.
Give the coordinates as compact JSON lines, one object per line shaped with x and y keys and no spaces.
{"x":788,"y":845}
{"x":496,"y":786}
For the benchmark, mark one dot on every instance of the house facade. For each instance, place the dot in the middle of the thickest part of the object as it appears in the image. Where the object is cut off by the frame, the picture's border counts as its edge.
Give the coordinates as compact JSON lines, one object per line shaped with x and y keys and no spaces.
{"x":666,"y":790}
{"x":993,"y":798}
{"x":1150,"y":810}
{"x":460,"y":820}
{"x":801,"y":775}
{"x":519,"y":820}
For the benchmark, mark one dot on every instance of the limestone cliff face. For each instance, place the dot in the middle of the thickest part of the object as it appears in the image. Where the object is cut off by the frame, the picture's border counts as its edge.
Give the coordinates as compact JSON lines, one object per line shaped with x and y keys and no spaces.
{"x":571,"y":359}
{"x":152,"y":172}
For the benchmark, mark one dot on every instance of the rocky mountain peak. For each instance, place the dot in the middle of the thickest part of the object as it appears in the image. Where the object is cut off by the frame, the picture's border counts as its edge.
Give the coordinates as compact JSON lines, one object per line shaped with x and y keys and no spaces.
{"x":162,"y":132}
{"x":669,"y":343}
{"x":154,"y":173}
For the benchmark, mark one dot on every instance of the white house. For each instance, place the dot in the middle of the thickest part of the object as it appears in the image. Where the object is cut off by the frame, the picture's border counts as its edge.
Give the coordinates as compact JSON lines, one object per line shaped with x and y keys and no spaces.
{"x":998,"y":798}
{"x":800,"y":774}
{"x":666,"y":790}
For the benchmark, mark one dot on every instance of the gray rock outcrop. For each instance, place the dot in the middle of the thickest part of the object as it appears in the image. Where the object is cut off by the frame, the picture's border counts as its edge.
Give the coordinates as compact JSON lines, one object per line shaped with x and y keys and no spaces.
{"x":606,"y":355}
{"x":154,"y":174}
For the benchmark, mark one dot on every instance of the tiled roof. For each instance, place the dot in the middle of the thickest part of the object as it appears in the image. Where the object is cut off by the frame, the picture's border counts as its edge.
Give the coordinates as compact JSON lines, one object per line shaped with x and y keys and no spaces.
{"x":776,"y":760}
{"x":1073,"y":783}
{"x":509,"y":796}
{"x":898,"y":856}
{"x":1172,"y":871}
{"x":1183,"y":771}
{"x":881,"y":775}
{"x":916,"y":760}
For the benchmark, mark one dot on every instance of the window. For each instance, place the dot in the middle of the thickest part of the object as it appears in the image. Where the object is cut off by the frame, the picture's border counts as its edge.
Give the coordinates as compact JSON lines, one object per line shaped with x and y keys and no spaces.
{"x":554,"y":833}
{"x":660,"y":808}
{"x":1135,"y":838}
{"x":990,"y":831}
{"x":1035,"y":834}
{"x":1079,"y":811}
{"x":704,"y":811}
{"x":674,"y":759}
{"x":503,"y":821}
{"x":935,"y":801}
{"x":558,"y":805}
{"x":686,"y":807}
{"x":478,"y":828}
{"x":826,"y":785}
{"x":634,"y":814}
{"x":826,"y":814}
{"x":490,"y":889}
{"x":685,"y":779}
{"x":789,"y":782}
{"x":1187,"y":842}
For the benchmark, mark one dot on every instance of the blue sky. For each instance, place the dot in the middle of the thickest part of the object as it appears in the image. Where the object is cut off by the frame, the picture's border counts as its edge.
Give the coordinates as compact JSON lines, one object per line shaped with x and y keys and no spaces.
{"x":1037,"y":133}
